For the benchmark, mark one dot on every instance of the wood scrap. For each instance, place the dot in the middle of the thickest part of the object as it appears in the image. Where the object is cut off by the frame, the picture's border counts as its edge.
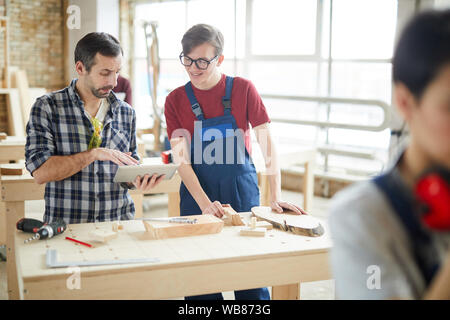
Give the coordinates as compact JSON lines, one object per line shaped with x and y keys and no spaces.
{"x":304,"y":225}
{"x":206,"y":224}
{"x":253,"y":222}
{"x":231,"y":218}
{"x":101,"y":235}
{"x":264,"y":224}
{"x":253,"y":232}
{"x":116,"y":226}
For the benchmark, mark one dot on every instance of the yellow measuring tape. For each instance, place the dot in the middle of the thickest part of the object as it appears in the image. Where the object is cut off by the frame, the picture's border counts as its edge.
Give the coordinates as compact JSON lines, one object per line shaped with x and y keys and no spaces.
{"x":96,"y":139}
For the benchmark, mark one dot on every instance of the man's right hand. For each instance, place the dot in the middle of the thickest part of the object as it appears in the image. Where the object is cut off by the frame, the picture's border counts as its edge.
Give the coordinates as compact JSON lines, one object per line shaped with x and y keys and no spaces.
{"x":118,"y":157}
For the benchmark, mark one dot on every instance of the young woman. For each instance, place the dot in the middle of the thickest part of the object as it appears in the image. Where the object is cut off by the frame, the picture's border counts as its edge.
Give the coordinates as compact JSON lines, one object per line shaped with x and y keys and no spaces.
{"x":391,"y":236}
{"x":208,"y":123}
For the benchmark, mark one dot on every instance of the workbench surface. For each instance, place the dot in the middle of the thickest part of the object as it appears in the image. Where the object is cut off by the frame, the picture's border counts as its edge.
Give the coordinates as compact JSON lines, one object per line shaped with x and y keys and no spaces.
{"x":186,"y":266}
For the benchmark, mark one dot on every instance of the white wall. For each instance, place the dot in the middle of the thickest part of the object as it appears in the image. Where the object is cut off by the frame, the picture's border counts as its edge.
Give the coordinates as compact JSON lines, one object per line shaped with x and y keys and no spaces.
{"x":95,"y":16}
{"x":108,"y":17}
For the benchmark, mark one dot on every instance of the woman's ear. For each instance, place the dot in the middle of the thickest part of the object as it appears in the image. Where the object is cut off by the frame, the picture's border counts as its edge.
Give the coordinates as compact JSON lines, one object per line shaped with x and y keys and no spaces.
{"x":404,"y":100}
{"x":220,"y":60}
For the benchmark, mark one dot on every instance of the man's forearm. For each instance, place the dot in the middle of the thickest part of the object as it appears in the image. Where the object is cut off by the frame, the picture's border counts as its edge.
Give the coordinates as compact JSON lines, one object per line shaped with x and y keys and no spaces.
{"x":58,"y":168}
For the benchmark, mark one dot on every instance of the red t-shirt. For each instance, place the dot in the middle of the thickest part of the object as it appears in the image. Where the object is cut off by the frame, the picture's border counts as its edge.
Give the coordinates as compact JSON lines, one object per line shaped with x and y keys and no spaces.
{"x":246,"y":107}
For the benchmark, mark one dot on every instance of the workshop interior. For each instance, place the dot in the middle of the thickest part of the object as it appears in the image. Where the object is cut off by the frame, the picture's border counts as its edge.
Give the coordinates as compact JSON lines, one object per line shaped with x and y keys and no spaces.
{"x":224,"y":150}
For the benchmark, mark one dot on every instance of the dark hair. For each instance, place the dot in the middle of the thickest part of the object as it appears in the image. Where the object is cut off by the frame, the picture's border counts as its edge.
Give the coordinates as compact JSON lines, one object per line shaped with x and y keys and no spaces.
{"x":201,"y":33}
{"x":93,"y":43}
{"x":422,"y":50}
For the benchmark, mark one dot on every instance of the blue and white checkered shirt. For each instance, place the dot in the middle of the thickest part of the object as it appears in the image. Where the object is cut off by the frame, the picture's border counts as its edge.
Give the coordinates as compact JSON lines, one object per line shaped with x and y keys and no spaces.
{"x":60,"y":126}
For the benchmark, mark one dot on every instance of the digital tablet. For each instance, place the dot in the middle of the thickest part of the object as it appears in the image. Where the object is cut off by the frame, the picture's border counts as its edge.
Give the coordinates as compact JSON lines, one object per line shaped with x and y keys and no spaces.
{"x":129,"y":173}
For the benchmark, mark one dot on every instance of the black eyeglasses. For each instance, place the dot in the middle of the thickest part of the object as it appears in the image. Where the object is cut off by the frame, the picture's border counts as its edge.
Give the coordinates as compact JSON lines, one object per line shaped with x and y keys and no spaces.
{"x":201,"y":63}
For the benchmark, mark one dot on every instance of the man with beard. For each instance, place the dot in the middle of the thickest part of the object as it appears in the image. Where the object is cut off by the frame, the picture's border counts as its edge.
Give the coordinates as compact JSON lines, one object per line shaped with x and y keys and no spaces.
{"x":78,"y":136}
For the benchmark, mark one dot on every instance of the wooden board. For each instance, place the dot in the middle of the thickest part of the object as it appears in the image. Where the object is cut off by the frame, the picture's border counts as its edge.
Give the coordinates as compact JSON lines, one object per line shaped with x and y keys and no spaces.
{"x":19,"y":80}
{"x":304,"y":225}
{"x":206,"y":224}
{"x":15,"y":121}
{"x":2,"y":223}
{"x":12,"y":169}
{"x":253,"y":232}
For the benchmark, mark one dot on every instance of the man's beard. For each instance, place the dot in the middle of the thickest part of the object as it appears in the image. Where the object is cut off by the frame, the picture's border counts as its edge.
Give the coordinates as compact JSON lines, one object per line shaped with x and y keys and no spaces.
{"x":96,"y":92}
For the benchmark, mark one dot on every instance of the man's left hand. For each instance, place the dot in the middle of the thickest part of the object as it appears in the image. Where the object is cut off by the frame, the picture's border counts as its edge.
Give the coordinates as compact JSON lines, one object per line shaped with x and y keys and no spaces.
{"x":148,"y":182}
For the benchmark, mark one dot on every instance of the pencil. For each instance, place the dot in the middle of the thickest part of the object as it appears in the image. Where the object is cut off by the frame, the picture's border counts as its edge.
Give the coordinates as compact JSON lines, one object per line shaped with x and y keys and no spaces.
{"x":80,"y":242}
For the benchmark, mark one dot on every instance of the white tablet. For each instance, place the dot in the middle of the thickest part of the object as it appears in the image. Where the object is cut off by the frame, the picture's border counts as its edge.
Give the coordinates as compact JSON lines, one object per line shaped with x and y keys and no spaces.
{"x":129,"y":173}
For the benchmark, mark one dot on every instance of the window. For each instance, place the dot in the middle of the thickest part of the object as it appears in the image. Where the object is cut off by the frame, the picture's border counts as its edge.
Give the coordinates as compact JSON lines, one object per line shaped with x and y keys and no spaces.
{"x":308,"y":48}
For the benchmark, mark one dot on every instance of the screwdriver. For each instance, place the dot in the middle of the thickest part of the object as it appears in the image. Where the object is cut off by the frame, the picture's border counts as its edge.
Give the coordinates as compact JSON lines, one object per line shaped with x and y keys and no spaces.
{"x":50,"y":230}
{"x":29,"y":225}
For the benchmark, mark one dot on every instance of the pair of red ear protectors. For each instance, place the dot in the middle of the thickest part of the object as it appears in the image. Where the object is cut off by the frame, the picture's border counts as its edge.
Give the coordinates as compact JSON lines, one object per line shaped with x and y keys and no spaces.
{"x":432,"y":190}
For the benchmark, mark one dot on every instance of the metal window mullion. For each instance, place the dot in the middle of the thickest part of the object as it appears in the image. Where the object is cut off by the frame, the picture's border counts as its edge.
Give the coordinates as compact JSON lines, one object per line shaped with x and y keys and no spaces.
{"x":319,"y":35}
{"x":248,"y":35}
{"x":330,"y":40}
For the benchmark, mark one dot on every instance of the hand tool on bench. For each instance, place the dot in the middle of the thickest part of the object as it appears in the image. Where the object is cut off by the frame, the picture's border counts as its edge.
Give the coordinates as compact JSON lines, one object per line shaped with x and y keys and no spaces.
{"x":171,"y":220}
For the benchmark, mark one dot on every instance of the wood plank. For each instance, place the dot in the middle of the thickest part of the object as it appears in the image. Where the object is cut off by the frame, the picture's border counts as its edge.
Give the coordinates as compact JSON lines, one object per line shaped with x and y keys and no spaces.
{"x":15,"y":121}
{"x":19,"y":80}
{"x":21,"y":188}
{"x":12,"y":169}
{"x":14,"y":212}
{"x":11,"y":152}
{"x":286,"y":292}
{"x":253,"y":232}
{"x":174,"y":204}
{"x":183,"y":279}
{"x":138,"y":199}
{"x":206,"y":224}
{"x":4,"y":22}
{"x":2,"y":223}
{"x":305,"y":225}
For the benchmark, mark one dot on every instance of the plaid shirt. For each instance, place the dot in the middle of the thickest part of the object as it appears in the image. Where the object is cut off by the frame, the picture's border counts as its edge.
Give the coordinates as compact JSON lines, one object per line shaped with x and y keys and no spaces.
{"x":60,"y":126}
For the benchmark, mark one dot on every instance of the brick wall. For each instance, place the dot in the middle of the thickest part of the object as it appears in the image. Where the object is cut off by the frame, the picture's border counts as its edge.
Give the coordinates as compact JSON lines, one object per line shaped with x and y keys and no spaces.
{"x":36,"y":43}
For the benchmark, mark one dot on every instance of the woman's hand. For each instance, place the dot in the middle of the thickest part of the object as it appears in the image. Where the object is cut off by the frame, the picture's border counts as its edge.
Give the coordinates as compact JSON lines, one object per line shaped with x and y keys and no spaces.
{"x":278,"y":206}
{"x":214,"y":208}
{"x":148,"y":182}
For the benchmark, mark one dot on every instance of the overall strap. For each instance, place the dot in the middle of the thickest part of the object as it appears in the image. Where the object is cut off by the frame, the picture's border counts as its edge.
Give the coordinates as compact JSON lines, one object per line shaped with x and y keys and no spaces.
{"x":193,"y":101}
{"x":421,"y":241}
{"x":226,"y":100}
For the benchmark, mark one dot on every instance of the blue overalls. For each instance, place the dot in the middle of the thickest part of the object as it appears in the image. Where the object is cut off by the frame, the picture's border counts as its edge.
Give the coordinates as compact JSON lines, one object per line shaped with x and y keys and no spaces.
{"x":224,"y":169}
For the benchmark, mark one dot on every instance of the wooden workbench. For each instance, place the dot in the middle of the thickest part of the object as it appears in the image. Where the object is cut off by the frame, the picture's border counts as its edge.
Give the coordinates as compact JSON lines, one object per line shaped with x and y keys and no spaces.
{"x":287,"y":157}
{"x":15,"y":190}
{"x":187,"y":266}
{"x":12,"y":149}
